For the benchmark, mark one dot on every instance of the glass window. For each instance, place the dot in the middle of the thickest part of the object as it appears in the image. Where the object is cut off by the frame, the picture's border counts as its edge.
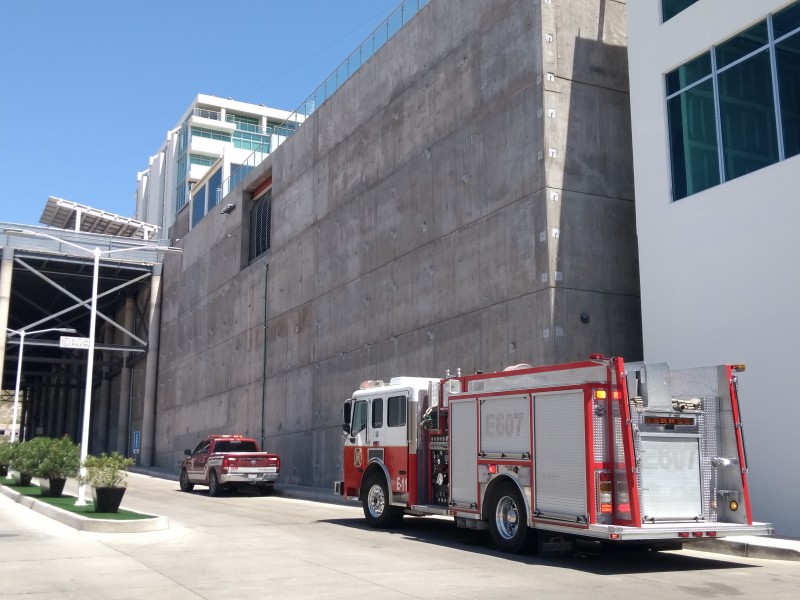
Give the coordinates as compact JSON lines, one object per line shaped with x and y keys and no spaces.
{"x":693,"y":141}
{"x":359,"y":417}
{"x":687,"y":74}
{"x":786,"y":21}
{"x":739,"y":112}
{"x":214,"y":191}
{"x":743,"y":44}
{"x":787,"y":58}
{"x":198,"y":205}
{"x":397,"y":411}
{"x":377,"y":413}
{"x":204,"y":161}
{"x":747,"y":116}
{"x":670,"y":8}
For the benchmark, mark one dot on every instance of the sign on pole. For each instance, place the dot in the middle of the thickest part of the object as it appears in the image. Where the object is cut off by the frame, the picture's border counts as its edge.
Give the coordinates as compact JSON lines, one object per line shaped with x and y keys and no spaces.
{"x":80,"y":343}
{"x":137,"y":436}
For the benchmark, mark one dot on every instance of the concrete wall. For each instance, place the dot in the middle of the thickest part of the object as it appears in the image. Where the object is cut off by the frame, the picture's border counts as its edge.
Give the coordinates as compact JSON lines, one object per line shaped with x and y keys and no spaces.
{"x":413,"y":231}
{"x":719,"y":268}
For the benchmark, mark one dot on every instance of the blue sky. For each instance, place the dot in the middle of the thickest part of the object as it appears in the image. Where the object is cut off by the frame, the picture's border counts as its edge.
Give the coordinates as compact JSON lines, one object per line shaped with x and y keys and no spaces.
{"x":89,"y":88}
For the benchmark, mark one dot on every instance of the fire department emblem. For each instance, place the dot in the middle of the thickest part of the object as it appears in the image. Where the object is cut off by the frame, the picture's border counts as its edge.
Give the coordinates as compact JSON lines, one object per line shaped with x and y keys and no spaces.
{"x":357,"y":457}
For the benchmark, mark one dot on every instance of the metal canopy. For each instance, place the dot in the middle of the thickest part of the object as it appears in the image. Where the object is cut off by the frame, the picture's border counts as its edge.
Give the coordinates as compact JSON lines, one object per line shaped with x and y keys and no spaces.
{"x":79,"y":217}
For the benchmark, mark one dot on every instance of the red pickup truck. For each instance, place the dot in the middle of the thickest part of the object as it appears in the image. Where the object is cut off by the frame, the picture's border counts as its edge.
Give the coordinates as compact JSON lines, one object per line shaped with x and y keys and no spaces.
{"x":229,"y":461}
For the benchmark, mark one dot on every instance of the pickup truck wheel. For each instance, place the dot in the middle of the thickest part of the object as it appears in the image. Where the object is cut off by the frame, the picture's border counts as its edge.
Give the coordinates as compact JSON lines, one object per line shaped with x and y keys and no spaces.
{"x":214,"y":488}
{"x":508,"y":520}
{"x":376,"y":505}
{"x":186,"y":485}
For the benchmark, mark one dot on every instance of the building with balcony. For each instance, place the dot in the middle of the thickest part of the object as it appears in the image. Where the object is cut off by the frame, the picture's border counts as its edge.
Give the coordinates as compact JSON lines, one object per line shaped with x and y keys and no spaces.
{"x":715,"y":103}
{"x":213,"y":139}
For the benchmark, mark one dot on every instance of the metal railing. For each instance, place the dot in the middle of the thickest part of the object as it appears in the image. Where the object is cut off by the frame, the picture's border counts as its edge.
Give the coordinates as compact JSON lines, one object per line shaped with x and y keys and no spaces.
{"x":206,"y":113}
{"x":379,"y":36}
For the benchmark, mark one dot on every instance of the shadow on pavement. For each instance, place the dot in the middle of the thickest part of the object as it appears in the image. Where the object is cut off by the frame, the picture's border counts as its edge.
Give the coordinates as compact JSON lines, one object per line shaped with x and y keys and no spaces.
{"x":586,"y":556}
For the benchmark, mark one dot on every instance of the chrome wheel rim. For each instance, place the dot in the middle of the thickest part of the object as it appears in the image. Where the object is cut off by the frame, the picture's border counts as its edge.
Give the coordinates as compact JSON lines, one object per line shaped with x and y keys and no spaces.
{"x":507,"y":517}
{"x":376,"y":501}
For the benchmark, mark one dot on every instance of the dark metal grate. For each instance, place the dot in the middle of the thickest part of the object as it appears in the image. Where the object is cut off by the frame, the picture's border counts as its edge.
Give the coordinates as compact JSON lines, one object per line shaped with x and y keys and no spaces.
{"x":260,"y":225}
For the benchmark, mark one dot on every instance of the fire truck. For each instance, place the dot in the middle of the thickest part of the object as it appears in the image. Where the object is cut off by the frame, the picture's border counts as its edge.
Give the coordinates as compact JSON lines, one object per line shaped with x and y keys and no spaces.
{"x":631,"y":453}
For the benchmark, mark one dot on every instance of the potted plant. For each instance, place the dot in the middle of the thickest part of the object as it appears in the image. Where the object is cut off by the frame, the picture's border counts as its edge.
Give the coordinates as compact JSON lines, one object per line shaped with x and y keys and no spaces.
{"x":25,"y":461}
{"x":7,"y":450}
{"x":57,"y":460}
{"x":106,"y":474}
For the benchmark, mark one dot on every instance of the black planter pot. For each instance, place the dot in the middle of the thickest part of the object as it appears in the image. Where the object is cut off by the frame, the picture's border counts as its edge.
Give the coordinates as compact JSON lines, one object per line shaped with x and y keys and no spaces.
{"x":25,"y":479}
{"x":53,"y":487}
{"x":107,"y":499}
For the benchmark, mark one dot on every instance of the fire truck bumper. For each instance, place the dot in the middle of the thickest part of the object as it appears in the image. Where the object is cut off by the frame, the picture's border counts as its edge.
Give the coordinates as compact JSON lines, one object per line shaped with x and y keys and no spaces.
{"x":676,"y":532}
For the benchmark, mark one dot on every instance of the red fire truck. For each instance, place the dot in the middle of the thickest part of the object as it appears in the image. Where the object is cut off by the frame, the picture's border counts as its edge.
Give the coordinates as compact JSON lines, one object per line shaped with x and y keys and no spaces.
{"x":623,"y":453}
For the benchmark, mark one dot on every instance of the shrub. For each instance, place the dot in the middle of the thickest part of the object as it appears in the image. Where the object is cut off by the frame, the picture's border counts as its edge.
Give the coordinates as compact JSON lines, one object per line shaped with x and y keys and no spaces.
{"x":25,"y":456}
{"x":106,"y":470}
{"x":57,"y":458}
{"x":7,"y":452}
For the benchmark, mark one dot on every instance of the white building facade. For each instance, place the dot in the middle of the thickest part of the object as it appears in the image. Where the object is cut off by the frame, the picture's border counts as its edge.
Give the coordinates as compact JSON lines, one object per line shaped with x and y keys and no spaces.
{"x":216,"y":142}
{"x":715,"y":101}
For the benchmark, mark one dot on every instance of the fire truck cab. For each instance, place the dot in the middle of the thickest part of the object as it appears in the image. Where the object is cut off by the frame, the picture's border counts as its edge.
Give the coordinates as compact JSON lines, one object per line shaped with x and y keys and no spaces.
{"x":636,"y":453}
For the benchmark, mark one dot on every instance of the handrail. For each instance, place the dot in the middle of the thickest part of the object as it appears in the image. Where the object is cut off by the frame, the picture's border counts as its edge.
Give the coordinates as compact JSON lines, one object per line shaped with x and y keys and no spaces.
{"x":374,"y":41}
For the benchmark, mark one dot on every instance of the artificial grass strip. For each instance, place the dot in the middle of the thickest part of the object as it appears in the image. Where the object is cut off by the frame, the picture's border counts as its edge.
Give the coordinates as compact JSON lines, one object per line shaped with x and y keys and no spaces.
{"x":67,"y":503}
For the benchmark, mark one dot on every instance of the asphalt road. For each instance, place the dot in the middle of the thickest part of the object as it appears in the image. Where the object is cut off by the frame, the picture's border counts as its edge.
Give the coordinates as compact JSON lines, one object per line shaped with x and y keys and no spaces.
{"x":249,"y":546}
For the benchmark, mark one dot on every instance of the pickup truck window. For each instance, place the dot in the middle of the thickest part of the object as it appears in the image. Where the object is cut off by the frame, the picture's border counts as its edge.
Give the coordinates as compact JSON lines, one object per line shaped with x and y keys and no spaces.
{"x":202,"y":447}
{"x":235,"y":446}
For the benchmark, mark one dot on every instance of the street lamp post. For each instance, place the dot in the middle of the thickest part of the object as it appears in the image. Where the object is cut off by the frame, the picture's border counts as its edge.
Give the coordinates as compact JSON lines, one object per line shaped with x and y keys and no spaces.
{"x":22,"y":333}
{"x":96,"y":252}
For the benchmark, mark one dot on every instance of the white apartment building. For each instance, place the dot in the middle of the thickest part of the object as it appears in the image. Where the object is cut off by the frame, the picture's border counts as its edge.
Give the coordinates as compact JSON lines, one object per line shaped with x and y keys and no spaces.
{"x":215,"y":138}
{"x":715,"y":101}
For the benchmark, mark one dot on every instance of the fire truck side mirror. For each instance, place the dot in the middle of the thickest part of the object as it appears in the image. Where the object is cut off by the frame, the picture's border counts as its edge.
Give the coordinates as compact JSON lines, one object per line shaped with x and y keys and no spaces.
{"x":346,"y":417}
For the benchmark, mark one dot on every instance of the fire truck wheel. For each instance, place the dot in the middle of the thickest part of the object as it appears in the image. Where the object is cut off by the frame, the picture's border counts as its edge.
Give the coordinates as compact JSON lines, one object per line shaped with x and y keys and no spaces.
{"x":214,"y":488}
{"x":186,"y":485}
{"x":508,"y":521}
{"x":377,"y":510}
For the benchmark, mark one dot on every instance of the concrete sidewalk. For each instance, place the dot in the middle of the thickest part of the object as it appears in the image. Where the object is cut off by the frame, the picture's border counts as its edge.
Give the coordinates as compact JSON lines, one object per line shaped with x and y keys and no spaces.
{"x":769,"y":547}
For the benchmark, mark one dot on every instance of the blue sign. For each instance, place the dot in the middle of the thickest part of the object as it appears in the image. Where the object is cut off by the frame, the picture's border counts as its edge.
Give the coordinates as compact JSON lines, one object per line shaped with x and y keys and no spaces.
{"x":137,"y":436}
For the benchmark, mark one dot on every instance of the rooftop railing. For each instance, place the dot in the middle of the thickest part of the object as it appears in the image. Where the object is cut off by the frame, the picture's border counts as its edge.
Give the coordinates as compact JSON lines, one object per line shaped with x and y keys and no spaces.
{"x":379,"y":36}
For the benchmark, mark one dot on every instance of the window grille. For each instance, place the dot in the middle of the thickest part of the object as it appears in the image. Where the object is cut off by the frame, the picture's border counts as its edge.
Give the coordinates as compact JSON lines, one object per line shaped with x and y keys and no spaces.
{"x":260,"y":225}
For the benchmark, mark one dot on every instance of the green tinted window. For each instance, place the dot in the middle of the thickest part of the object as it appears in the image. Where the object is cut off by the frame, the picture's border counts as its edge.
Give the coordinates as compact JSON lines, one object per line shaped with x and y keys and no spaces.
{"x":739,"y":112}
{"x":743,"y":44}
{"x":693,"y":141}
{"x":687,"y":74}
{"x":747,"y":116}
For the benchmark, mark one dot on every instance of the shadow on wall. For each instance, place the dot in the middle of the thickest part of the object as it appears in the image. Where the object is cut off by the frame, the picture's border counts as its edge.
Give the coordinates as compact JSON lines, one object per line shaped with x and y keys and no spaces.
{"x":592,"y":212}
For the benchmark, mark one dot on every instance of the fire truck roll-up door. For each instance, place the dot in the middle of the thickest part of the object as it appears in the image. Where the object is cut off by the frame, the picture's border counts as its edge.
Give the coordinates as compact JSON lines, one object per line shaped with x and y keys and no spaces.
{"x":463,"y":452}
{"x":670,"y":477}
{"x":560,"y":458}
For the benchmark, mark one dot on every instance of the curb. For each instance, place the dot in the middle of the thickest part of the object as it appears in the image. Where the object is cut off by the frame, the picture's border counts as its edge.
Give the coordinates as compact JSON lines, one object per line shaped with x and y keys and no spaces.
{"x":767,"y":547}
{"x":81,"y":523}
